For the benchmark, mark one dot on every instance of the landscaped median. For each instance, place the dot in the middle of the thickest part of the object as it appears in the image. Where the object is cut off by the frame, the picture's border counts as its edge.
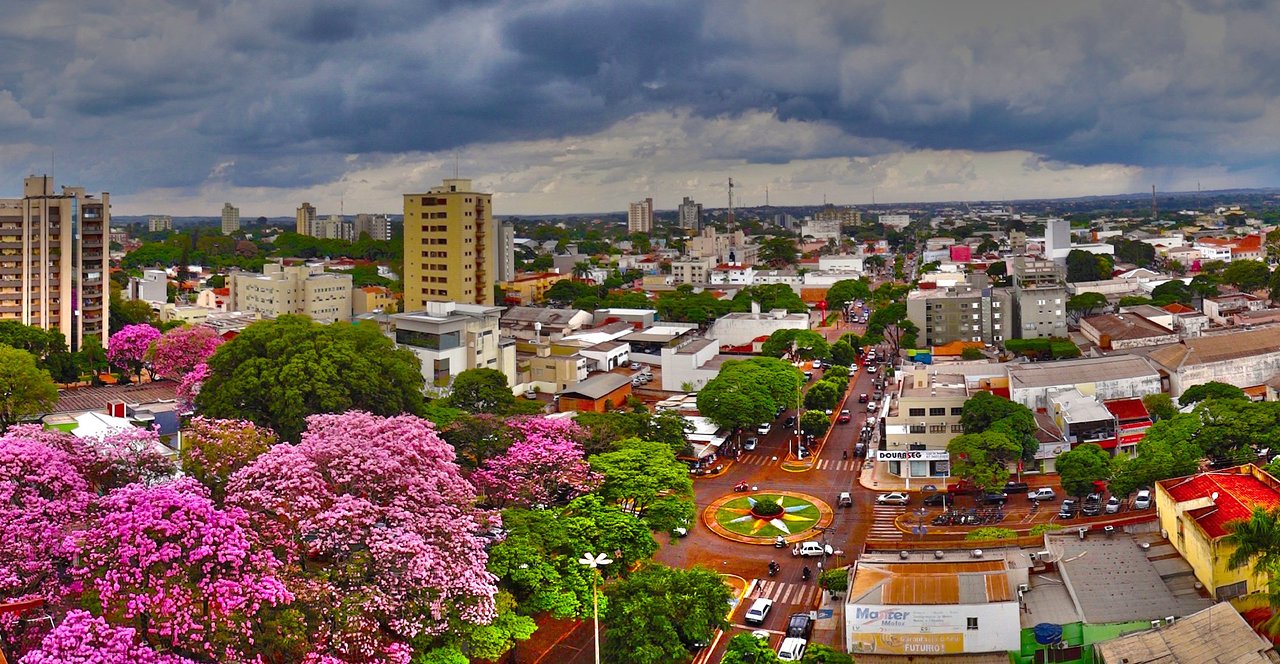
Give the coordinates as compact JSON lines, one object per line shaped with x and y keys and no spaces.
{"x":763,"y":516}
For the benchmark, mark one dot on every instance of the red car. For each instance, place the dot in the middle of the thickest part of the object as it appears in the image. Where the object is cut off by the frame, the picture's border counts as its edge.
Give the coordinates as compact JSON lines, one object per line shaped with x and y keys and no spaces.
{"x":844,"y":417}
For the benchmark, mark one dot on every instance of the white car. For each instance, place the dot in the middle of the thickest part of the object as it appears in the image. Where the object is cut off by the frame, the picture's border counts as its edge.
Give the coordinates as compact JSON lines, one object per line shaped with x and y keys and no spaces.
{"x":792,"y":649}
{"x":894,"y":498}
{"x":871,"y":369}
{"x":1113,"y":505}
{"x":1143,"y":500}
{"x":811,"y":548}
{"x":750,"y":444}
{"x":764,"y":429}
{"x":758,"y":612}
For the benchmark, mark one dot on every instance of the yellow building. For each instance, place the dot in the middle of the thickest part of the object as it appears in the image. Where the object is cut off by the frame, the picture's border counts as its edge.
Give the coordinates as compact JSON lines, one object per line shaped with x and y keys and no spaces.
{"x":530,"y":287}
{"x":305,"y":219}
{"x":292,"y":287}
{"x":368,"y":299}
{"x":1194,"y":512}
{"x":449,"y":243}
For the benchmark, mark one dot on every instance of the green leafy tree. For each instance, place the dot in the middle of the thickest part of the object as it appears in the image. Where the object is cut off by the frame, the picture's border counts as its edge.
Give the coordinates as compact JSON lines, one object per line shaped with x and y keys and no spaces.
{"x":983,"y":458}
{"x":1159,"y":406}
{"x":1085,"y":304}
{"x":847,"y":290}
{"x":843,"y":354}
{"x":277,"y":372}
{"x":1256,"y":543}
{"x":818,"y":653}
{"x":823,"y":395}
{"x":806,"y":344}
{"x":605,"y":430}
{"x":985,"y":411}
{"x":991,"y":533}
{"x":1247,"y":275}
{"x":1205,"y":285}
{"x":1084,"y":266}
{"x":658,"y":613}
{"x":482,"y":391}
{"x":1080,"y":467}
{"x":889,"y":322}
{"x":646,"y":479}
{"x":1234,"y":429}
{"x":1170,"y":292}
{"x":1210,"y":390}
{"x":1167,"y":450}
{"x":770,"y":297}
{"x":999,"y":273}
{"x":779,"y":252}
{"x":26,"y":390}
{"x":814,"y":422}
{"x":971,"y":353}
{"x":747,"y":393}
{"x":744,"y":648}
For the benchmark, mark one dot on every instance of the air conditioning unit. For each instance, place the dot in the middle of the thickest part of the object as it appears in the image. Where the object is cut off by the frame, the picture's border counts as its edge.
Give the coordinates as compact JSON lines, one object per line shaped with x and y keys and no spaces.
{"x":1155,"y":624}
{"x":1169,"y":620}
{"x":1023,"y":588}
{"x":1061,"y":645}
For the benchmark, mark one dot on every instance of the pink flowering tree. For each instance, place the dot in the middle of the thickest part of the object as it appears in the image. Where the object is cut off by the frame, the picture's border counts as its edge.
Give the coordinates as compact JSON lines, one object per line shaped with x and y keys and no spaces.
{"x":83,"y":639}
{"x":128,"y":348}
{"x":114,"y":460}
{"x":213,"y":450}
{"x":183,"y":573}
{"x":191,"y":383}
{"x":376,"y":518}
{"x":43,"y":498}
{"x":176,"y":353}
{"x":543,"y":466}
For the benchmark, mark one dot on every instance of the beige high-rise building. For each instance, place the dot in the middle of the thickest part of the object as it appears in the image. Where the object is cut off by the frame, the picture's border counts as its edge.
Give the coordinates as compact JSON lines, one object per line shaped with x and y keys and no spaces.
{"x":53,"y":259}
{"x":306,"y":217}
{"x":159,"y":222}
{"x":640,"y":216}
{"x":449,"y":245}
{"x":230,"y":219}
{"x":292,"y":287}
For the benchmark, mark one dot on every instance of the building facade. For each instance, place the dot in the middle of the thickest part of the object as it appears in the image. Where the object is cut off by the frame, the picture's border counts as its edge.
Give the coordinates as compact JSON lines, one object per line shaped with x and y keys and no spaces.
{"x":1040,"y":299}
{"x":924,"y":415}
{"x":230,"y":219}
{"x":378,"y":226}
{"x":690,"y":215}
{"x":305,"y":216}
{"x":452,"y":337}
{"x":292,"y":287}
{"x":159,"y":222}
{"x":53,"y":259}
{"x":640,"y":216}
{"x":504,"y":261}
{"x":449,"y":245}
{"x":970,"y":311}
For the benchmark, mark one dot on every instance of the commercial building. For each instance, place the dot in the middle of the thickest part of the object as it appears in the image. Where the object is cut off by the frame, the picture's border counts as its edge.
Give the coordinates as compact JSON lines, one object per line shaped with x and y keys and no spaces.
{"x":452,"y":337}
{"x":53,"y":259}
{"x":159,"y":222}
{"x":969,"y":311}
{"x":690,"y":215}
{"x":898,"y":221}
{"x":821,"y":230}
{"x":1194,"y":512}
{"x":1111,"y":377}
{"x":378,"y":226}
{"x":230,"y":219}
{"x":152,"y":286}
{"x":923,"y":416}
{"x":542,"y":323}
{"x":1126,"y":330}
{"x":640,"y":216}
{"x":549,"y":366}
{"x":737,"y":329}
{"x":449,"y":245}
{"x":292,"y":287}
{"x":597,"y":394}
{"x":304,"y":218}
{"x":1244,"y":359}
{"x":1220,"y":310}
{"x":1039,"y":299}
{"x":1216,"y":634}
{"x":842,"y":214}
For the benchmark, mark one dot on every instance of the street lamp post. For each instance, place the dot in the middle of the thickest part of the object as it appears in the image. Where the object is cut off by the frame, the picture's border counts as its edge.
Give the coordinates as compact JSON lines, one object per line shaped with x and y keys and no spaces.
{"x":594,"y":561}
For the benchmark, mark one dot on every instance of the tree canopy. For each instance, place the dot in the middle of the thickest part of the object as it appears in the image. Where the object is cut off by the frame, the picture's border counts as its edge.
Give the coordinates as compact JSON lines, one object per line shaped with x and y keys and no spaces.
{"x":645,"y":478}
{"x":985,"y":411}
{"x":983,"y":458}
{"x":1247,"y":275}
{"x":1210,"y":390}
{"x":807,"y":345}
{"x":1080,"y":467}
{"x":482,"y":391}
{"x":748,"y":393}
{"x":658,"y":613}
{"x":25,"y":389}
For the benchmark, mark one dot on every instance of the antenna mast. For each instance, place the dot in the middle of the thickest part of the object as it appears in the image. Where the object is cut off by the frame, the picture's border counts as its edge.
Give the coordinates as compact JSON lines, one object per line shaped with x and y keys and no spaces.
{"x":1154,"y":211}
{"x":730,"y":205}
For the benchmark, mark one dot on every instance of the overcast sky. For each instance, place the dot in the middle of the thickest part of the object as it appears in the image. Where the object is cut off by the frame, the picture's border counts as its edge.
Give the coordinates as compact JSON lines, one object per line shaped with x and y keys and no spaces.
{"x":175,"y":106}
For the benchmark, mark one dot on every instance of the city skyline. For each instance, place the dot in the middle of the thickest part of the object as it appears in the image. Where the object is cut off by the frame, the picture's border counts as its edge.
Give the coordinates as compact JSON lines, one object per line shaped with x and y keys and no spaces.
{"x":573,"y":107}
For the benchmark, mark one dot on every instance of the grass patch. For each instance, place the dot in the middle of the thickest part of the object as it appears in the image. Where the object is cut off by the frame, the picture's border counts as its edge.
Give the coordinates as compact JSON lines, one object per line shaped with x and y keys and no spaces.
{"x":798,"y":515}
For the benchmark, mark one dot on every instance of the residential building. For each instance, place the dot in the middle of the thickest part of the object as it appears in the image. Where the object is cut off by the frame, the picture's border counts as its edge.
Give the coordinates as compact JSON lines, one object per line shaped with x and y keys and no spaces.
{"x":969,"y":311}
{"x":214,"y":298}
{"x":692,"y":270}
{"x":1040,"y":299}
{"x":378,"y":226}
{"x":373,"y":299}
{"x":530,"y":287}
{"x":923,"y":416}
{"x":332,"y":227}
{"x":542,"y":323}
{"x":898,"y":221}
{"x":304,"y":218}
{"x":504,"y":258}
{"x":821,"y":230}
{"x":729,"y":247}
{"x":640,"y":216}
{"x":690,"y":215}
{"x":736,"y":329}
{"x":53,"y":259}
{"x":1216,"y":634}
{"x":449,"y":242}
{"x":451,"y":337}
{"x":230,"y":219}
{"x":842,"y":214}
{"x":1111,"y":377}
{"x":597,"y":394}
{"x":1241,"y":358}
{"x":152,"y":286}
{"x":732,"y":274}
{"x":159,"y":222}
{"x":1194,"y":512}
{"x":1220,"y":309}
{"x":292,"y":287}
{"x":1125,"y":330}
{"x":548,"y":366}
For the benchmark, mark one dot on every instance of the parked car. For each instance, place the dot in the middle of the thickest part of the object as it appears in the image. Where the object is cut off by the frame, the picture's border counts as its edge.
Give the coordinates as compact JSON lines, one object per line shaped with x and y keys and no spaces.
{"x":961,"y":488}
{"x":764,"y":429}
{"x":1043,"y":493}
{"x":817,"y":364}
{"x":799,"y":626}
{"x":1113,"y":505}
{"x":531,"y":394}
{"x":937,"y":500}
{"x":750,"y":443}
{"x":758,"y":612}
{"x":1143,"y":500}
{"x":1092,"y":507}
{"x":1068,"y":509}
{"x":871,"y":406}
{"x":845,"y":417}
{"x":993,"y":499}
{"x":893,"y":498}
{"x":635,"y":366}
{"x":1016,"y":487}
{"x":791,"y":650}
{"x":860,"y":449}
{"x":808,"y":375}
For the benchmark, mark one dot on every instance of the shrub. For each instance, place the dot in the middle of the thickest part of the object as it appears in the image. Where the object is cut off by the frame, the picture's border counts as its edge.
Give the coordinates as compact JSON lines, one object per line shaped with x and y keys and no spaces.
{"x":766,"y":507}
{"x":991,"y":533}
{"x":1042,"y":528}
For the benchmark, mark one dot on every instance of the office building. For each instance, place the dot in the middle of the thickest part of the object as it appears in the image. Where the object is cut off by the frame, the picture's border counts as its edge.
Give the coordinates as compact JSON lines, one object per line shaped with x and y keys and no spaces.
{"x":1040,"y":296}
{"x":504,"y":260}
{"x":378,"y":226}
{"x":967,"y":311}
{"x":159,"y":222}
{"x":53,"y":259}
{"x":230,"y":219}
{"x":292,"y":287}
{"x":640,"y":216}
{"x":305,"y":217}
{"x":690,"y":214}
{"x":449,"y":246}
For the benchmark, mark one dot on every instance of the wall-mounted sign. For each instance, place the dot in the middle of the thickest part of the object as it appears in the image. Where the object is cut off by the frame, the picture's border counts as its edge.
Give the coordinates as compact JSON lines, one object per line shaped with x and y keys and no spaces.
{"x":913,"y":455}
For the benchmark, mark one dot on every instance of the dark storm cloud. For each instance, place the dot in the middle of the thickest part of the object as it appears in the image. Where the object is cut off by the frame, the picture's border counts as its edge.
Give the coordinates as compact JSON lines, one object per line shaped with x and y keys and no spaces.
{"x":146,"y":93}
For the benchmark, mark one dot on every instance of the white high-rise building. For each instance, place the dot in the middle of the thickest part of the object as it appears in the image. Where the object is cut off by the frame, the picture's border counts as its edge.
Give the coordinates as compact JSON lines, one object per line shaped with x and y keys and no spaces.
{"x":640,"y":216}
{"x":690,"y":215}
{"x":230,"y":219}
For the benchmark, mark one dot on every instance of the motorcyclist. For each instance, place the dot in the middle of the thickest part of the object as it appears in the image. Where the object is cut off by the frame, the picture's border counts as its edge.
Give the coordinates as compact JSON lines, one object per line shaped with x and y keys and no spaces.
{"x":805,"y":575}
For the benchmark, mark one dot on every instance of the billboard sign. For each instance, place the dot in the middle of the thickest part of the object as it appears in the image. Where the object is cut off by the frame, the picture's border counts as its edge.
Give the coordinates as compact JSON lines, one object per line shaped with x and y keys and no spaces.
{"x":913,"y":455}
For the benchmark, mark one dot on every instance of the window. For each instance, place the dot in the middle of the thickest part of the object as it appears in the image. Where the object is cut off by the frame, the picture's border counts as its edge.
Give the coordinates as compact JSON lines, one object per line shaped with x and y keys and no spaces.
{"x":937,"y":428}
{"x":915,"y":412}
{"x":956,"y":428}
{"x":937,"y":412}
{"x":957,"y":411}
{"x":971,"y":623}
{"x":916,"y":428}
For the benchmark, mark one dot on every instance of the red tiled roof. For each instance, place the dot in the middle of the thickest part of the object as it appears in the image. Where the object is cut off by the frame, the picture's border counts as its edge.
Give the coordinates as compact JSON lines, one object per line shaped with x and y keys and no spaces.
{"x":1127,"y":409}
{"x":1178,"y":308}
{"x":222,"y":291}
{"x":1237,"y":495}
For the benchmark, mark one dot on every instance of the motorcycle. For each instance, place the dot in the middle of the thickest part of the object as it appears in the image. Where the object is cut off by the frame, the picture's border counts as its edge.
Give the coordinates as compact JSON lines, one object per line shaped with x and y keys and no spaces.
{"x":773,"y":568}
{"x":780,"y":542}
{"x":740,"y":487}
{"x":804,"y":575}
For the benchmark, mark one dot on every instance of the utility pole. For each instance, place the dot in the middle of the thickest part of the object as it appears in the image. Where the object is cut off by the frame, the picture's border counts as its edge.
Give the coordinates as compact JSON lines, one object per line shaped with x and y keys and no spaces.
{"x":730,"y":205}
{"x":1154,"y":211}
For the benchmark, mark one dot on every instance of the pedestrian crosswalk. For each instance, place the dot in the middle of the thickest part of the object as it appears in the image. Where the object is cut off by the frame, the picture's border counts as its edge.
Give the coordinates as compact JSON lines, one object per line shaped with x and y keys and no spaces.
{"x":883,"y":522}
{"x":803,"y":593}
{"x":838,"y":464}
{"x":823,"y":464}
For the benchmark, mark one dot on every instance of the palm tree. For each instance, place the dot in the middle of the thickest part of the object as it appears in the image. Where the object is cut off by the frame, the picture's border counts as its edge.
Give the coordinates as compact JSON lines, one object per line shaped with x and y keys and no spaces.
{"x":582,"y":269}
{"x":1256,"y":540}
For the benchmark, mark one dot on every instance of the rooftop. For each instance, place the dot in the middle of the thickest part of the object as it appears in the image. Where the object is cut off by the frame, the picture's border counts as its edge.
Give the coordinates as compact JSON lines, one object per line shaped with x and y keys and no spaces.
{"x":96,"y":398}
{"x":976,"y":582}
{"x":935,"y":385}
{"x":1127,"y":409}
{"x":1125,"y":326}
{"x":1216,"y":635}
{"x":1083,"y":370}
{"x":598,"y":386}
{"x":1238,"y":489}
{"x":694,"y":345}
{"x":1219,"y":348}
{"x":544,"y":315}
{"x":1111,"y":580}
{"x":1075,"y":407}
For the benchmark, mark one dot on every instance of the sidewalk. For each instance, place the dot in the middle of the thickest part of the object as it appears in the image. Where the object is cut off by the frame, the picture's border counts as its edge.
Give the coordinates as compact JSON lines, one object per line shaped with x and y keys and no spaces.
{"x":871,"y":478}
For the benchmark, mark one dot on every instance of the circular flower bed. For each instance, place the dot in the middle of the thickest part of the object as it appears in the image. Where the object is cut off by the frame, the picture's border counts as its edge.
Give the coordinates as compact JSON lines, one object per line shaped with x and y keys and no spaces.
{"x":768,"y":515}
{"x":766,"y":508}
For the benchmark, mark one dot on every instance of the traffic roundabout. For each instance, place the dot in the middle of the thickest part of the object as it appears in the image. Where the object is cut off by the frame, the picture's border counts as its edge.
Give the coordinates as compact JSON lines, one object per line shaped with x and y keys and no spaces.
{"x":761,"y":517}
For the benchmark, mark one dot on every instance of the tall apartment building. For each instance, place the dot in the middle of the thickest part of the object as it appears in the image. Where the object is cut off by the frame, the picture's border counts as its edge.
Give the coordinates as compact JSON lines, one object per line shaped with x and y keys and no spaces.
{"x":159,"y":222}
{"x":230,"y":219}
{"x":292,"y":287}
{"x":332,"y":227}
{"x":378,"y":226}
{"x":844,"y":215}
{"x":304,"y":218}
{"x":969,"y":311}
{"x":53,"y":259}
{"x":449,"y":244}
{"x":640,"y":216}
{"x":1040,"y":299}
{"x":690,"y":214}
{"x":505,"y":259}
